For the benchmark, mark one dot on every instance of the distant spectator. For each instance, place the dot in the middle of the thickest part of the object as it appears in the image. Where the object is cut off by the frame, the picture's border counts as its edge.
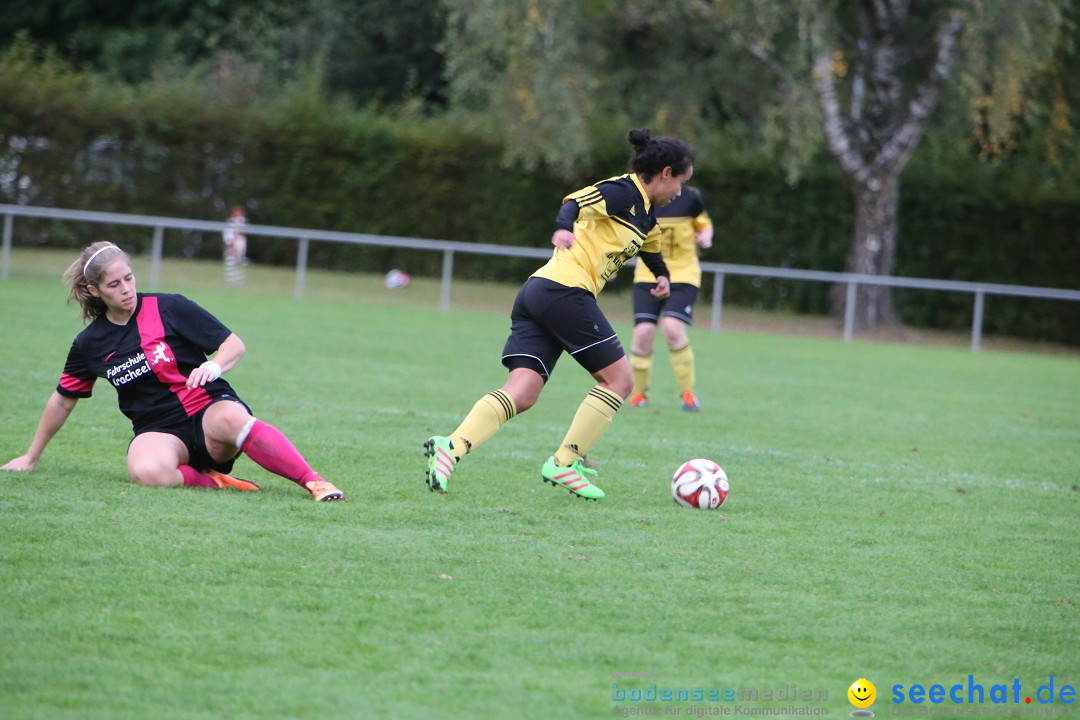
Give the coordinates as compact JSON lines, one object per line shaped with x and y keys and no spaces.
{"x":235,"y":247}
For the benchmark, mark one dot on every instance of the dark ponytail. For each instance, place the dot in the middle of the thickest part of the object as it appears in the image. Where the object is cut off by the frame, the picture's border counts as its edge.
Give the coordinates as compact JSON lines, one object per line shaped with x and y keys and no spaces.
{"x":652,"y":155}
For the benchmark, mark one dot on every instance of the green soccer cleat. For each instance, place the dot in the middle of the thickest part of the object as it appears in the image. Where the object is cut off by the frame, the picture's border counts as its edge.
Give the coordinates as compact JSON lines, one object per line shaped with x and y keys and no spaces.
{"x":572,"y":478}
{"x":441,"y":462}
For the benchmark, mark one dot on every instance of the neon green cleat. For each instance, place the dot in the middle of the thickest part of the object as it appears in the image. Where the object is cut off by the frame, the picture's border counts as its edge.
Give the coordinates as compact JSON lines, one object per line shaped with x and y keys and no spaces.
{"x":441,"y":462}
{"x":572,"y":478}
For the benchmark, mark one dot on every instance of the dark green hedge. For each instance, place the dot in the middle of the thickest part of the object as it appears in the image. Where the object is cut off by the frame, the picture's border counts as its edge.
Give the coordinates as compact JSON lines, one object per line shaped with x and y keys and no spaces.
{"x":175,"y":149}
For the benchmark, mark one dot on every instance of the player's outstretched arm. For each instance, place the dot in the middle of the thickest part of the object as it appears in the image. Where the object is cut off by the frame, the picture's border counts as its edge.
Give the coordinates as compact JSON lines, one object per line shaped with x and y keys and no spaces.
{"x":56,"y":413}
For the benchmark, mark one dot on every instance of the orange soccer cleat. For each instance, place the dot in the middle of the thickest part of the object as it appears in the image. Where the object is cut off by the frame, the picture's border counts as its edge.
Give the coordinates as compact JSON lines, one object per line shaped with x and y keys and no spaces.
{"x":228,"y":481}
{"x":690,"y":402}
{"x":324,"y":491}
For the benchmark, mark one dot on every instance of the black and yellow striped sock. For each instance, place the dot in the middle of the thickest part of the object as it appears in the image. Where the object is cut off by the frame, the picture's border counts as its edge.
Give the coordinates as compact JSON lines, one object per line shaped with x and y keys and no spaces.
{"x":682,"y":362}
{"x":483,"y":421}
{"x":591,"y":420}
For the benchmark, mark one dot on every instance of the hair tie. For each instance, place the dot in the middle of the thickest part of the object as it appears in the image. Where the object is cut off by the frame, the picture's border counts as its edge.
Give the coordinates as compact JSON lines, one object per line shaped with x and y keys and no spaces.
{"x":96,"y":253}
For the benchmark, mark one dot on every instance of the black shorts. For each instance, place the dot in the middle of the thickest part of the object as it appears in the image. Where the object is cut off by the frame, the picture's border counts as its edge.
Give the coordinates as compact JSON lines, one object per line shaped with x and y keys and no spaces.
{"x":679,"y":304}
{"x":190,"y":432}
{"x":548,"y":318}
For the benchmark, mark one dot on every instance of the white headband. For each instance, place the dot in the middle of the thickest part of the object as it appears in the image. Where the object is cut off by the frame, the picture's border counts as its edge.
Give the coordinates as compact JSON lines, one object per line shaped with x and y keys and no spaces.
{"x":96,"y":253}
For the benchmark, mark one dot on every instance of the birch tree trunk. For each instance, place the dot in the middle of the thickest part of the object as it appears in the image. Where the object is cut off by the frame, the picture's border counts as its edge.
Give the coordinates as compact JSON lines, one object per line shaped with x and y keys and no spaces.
{"x":875,"y":137}
{"x":873,"y":249}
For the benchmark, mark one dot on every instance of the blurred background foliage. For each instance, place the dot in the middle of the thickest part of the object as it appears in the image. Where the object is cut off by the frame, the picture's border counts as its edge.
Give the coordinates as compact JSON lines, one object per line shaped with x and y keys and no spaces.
{"x":469,"y":120}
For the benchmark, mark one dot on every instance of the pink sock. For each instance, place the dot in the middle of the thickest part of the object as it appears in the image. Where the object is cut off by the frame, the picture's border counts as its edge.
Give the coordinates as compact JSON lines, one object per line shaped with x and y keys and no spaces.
{"x":194,"y":478}
{"x":268,"y":447}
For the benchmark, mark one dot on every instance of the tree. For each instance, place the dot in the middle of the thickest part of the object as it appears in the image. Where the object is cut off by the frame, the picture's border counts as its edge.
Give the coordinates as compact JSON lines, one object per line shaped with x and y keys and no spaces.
{"x":877,"y":88}
{"x":888,"y":106}
{"x":861,"y":78}
{"x":521,"y":68}
{"x":382,"y":50}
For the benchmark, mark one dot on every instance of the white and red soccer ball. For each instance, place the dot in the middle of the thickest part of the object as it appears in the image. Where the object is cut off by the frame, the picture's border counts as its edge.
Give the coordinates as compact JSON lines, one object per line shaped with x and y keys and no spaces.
{"x":397,"y":279}
{"x":700,"y":484}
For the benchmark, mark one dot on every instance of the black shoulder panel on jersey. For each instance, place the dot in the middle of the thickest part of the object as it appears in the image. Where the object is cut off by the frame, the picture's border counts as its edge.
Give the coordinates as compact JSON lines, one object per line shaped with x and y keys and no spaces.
{"x":567,"y":215}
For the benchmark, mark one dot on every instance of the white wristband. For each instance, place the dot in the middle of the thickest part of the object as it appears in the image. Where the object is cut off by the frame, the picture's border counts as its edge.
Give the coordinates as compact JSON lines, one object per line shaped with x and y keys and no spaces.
{"x":213,"y":367}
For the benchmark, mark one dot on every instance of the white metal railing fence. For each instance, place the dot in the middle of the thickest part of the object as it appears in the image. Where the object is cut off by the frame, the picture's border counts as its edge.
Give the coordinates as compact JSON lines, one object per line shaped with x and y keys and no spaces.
{"x":448,"y":248}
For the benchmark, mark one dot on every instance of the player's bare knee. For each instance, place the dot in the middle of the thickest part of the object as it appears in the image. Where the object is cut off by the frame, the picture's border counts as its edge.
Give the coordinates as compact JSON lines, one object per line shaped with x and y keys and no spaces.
{"x":524,"y":386}
{"x":223,"y":422}
{"x":524,"y":397}
{"x":151,"y":474}
{"x":641,"y":342}
{"x":622,"y":384}
{"x":623,"y":389}
{"x":674,"y":332}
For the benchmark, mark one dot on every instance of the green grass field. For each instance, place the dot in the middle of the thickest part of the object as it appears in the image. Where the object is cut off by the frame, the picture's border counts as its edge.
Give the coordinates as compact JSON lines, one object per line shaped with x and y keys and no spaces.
{"x":904,"y":514}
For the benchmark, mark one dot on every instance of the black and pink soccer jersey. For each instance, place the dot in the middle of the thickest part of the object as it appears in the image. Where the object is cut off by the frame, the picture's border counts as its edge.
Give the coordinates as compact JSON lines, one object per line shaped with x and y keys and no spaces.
{"x":148,"y":360}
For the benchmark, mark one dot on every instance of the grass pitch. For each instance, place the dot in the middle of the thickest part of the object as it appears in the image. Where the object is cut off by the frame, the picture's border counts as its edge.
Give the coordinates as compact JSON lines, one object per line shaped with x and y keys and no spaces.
{"x":901,"y":514}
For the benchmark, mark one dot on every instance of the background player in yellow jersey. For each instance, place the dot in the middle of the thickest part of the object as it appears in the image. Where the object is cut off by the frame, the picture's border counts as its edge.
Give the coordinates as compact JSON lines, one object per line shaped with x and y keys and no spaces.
{"x":685,"y":226}
{"x":597,"y":230}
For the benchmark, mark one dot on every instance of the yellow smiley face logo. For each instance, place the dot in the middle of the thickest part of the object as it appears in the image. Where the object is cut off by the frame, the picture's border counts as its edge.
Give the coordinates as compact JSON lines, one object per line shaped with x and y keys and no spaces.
{"x":862,"y":693}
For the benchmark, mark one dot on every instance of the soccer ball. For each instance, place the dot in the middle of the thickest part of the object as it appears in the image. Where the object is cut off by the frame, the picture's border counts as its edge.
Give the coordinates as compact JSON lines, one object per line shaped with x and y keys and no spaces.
{"x":700,"y":484}
{"x":397,"y":279}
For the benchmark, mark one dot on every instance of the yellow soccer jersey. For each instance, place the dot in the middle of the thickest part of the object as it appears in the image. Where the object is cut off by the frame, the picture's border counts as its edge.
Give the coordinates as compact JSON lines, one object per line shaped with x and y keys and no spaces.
{"x":679,"y":222}
{"x":615,"y":221}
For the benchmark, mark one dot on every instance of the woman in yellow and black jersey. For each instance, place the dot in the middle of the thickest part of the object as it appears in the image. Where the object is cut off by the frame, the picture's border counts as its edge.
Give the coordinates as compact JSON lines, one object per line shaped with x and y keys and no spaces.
{"x":598,"y":229}
{"x":685,"y":226}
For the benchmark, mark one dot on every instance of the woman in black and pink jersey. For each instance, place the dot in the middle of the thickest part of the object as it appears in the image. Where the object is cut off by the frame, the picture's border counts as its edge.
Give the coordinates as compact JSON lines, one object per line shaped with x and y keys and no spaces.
{"x":189,"y":424}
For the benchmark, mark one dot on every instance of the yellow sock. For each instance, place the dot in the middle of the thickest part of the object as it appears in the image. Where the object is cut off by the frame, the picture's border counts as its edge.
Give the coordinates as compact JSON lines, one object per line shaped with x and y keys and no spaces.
{"x":642,"y":367}
{"x":682,"y":362}
{"x":483,"y":421}
{"x":591,"y":420}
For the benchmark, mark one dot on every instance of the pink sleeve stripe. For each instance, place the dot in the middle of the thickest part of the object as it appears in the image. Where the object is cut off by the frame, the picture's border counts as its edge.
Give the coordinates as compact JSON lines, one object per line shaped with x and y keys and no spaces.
{"x":76,"y":385}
